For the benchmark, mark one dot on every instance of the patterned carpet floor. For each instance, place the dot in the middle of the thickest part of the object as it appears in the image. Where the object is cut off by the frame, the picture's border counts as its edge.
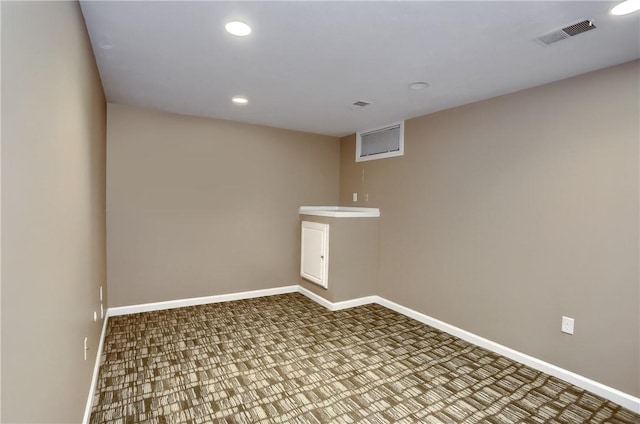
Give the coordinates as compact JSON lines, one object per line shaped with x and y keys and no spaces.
{"x":286,"y":359}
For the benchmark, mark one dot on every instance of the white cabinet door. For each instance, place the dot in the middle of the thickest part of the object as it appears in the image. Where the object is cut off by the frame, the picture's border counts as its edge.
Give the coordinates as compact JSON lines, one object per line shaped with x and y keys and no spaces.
{"x":314,"y":257}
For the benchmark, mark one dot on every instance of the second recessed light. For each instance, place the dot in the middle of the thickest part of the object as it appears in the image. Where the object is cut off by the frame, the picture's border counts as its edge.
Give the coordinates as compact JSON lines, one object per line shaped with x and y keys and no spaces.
{"x":239,"y":100}
{"x":626,"y":7}
{"x":238,"y":28}
{"x":418,"y":85}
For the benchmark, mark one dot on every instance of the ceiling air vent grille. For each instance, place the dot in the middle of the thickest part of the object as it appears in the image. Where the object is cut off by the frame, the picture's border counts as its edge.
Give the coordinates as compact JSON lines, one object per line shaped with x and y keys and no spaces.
{"x":566,"y":32}
{"x":579,"y":28}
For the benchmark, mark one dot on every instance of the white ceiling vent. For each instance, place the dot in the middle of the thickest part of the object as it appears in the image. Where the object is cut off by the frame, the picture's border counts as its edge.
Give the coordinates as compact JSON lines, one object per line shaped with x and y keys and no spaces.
{"x":380,"y":143}
{"x":566,"y":32}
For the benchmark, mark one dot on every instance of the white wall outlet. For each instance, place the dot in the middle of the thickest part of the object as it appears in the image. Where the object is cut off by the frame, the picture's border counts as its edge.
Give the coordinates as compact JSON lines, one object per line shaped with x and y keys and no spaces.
{"x":86,"y":347}
{"x":355,"y":197}
{"x":567,"y":325}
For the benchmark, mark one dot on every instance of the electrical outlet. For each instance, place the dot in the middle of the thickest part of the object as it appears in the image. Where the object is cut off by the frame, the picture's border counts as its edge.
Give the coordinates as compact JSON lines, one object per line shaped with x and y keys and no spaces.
{"x":86,"y":347}
{"x":567,"y":325}
{"x":354,"y":196}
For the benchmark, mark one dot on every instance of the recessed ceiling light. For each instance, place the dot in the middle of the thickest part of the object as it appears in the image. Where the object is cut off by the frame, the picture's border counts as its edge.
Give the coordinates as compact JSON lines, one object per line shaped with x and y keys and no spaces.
{"x":239,"y":100}
{"x":238,"y":28}
{"x":418,"y":85}
{"x":626,"y":7}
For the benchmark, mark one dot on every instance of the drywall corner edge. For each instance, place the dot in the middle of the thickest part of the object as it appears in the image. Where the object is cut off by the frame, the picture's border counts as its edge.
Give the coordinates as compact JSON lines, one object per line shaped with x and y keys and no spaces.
{"x":96,"y":371}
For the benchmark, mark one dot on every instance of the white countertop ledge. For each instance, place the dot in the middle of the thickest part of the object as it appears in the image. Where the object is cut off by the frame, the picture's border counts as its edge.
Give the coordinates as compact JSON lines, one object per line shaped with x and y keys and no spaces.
{"x":340,"y":211}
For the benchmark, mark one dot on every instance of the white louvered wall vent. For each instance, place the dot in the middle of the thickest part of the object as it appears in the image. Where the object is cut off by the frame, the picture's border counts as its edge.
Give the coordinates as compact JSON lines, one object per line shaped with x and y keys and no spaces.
{"x":379,"y":143}
{"x":566,"y":32}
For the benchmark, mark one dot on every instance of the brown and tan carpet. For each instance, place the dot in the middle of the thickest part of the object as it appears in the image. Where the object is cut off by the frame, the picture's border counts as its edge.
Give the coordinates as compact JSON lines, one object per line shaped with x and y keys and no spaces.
{"x":285,"y":359}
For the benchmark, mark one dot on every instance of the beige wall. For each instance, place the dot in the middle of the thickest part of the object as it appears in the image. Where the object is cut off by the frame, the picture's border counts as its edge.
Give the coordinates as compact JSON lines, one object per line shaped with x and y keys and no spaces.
{"x":506,"y":214}
{"x":53,"y":211}
{"x":199,"y":207}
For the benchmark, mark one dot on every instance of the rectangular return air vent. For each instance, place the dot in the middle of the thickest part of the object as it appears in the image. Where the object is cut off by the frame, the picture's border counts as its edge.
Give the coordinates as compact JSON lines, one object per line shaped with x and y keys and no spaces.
{"x":566,"y":32}
{"x":380,"y":143}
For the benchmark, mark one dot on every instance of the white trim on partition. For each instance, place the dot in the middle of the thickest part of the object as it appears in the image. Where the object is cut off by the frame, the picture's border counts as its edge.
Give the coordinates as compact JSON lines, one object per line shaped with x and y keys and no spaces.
{"x":96,"y":370}
{"x":360,"y":301}
{"x":170,"y":304}
{"x":336,"y":306}
{"x":316,"y":298}
{"x":621,"y":398}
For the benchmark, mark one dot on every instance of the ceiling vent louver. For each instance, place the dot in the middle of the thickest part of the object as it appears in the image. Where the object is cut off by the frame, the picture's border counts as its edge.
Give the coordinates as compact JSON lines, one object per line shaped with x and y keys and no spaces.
{"x":361,"y":103}
{"x":385,"y":142}
{"x":567,"y":32}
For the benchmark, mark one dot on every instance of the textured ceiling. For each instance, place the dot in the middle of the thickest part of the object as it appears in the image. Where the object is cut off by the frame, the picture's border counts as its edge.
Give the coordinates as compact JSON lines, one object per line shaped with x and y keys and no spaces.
{"x":306,"y":63}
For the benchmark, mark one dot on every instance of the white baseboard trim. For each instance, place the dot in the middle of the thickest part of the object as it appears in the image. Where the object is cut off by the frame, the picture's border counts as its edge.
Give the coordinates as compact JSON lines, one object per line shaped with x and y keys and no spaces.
{"x":96,"y":370}
{"x":621,"y":398}
{"x":360,"y":301}
{"x":180,"y":303}
{"x":336,"y":306}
